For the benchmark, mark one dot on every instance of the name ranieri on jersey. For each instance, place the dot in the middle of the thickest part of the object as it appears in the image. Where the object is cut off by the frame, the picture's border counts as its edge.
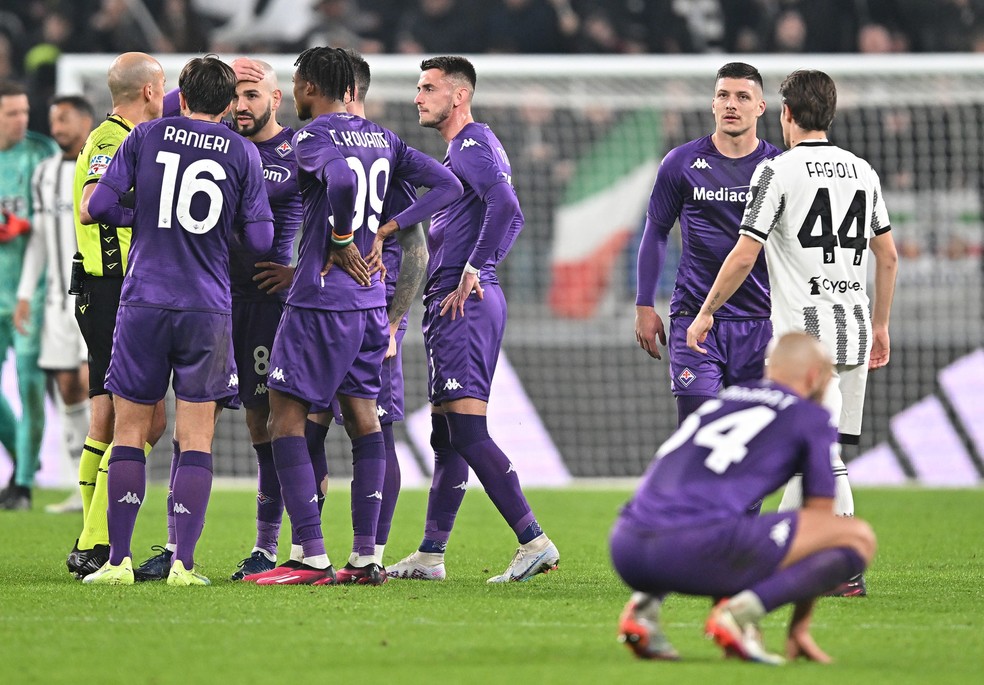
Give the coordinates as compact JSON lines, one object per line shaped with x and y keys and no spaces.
{"x":196,"y":139}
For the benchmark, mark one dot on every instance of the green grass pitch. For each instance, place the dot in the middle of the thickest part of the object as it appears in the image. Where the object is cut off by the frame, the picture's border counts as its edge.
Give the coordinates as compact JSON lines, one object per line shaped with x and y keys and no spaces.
{"x":921,"y":623}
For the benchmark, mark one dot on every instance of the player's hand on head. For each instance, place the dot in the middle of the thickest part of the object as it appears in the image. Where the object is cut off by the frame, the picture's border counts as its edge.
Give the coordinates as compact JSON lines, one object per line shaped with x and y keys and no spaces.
{"x":351,"y":262}
{"x":247,"y":69}
{"x":649,"y":327}
{"x":698,"y":330}
{"x":274,"y":277}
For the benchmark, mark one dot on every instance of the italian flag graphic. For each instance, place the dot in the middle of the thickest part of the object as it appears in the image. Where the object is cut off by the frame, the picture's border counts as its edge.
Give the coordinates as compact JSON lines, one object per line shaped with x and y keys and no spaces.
{"x":604,"y":204}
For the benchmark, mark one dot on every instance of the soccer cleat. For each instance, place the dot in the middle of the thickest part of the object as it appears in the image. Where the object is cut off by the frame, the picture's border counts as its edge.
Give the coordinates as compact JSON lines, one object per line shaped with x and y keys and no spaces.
{"x":370,"y":574}
{"x":744,"y":642}
{"x":18,"y":498}
{"x":88,"y":561}
{"x":121,"y":574}
{"x":283,"y":568}
{"x":69,"y":505}
{"x":419,"y":566}
{"x":184,"y":577}
{"x":852,"y":587}
{"x":537,"y":556}
{"x":255,"y":564}
{"x":301,"y":575}
{"x":640,"y":630}
{"x":157,"y":567}
{"x":72,"y":562}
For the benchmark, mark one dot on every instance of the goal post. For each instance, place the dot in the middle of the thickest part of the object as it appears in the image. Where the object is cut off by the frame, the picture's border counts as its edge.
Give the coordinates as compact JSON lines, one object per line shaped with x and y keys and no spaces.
{"x":585,"y":135}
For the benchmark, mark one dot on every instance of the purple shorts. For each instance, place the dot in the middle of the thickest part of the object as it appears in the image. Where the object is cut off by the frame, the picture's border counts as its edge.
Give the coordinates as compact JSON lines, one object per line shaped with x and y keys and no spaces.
{"x":149,"y":343}
{"x":462,"y":354}
{"x":254,"y":323}
{"x":389,"y":404}
{"x":714,"y":558}
{"x":318,"y":353}
{"x":735,"y":354}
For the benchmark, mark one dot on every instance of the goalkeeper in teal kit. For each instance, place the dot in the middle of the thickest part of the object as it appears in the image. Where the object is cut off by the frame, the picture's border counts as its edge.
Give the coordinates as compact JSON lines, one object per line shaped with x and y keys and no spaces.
{"x":20,"y":151}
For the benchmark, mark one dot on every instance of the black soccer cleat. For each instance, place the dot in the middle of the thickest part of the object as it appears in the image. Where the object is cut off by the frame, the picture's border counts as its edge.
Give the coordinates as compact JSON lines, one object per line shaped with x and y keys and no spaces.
{"x":255,"y":563}
{"x":156,"y":568}
{"x":91,"y":560}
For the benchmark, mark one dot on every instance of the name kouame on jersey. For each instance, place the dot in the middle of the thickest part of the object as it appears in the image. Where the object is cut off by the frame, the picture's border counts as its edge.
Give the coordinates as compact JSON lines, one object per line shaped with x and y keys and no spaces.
{"x":708,"y":191}
{"x":479,"y":161}
{"x":815,"y":207}
{"x":283,"y":191}
{"x":196,"y":182}
{"x":378,"y":159}
{"x":758,"y":434}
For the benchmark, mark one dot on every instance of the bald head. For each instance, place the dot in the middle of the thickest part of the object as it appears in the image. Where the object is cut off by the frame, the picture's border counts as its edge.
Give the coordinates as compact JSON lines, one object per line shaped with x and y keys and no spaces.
{"x":130,"y":73}
{"x":801,"y":363}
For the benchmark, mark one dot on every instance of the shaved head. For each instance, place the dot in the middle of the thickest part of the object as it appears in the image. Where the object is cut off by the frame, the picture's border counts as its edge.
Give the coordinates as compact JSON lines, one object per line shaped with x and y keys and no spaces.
{"x":800,"y":362}
{"x":129,"y":73}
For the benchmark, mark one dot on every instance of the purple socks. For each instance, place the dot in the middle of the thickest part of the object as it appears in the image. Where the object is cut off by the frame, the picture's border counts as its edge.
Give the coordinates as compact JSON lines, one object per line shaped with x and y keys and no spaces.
{"x":391,"y":486}
{"x":809,"y":577}
{"x":192,"y":486}
{"x":126,"y":488}
{"x":447,"y":487}
{"x":368,"y":474}
{"x":269,"y":504}
{"x":300,"y":492}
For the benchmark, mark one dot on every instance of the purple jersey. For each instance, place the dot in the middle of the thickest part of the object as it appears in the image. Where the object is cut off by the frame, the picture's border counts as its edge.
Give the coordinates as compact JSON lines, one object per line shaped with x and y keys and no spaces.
{"x":376,"y":157}
{"x":195,"y":182}
{"x":280,"y":177}
{"x":707,"y":191}
{"x":478,"y":159}
{"x":732,"y":452}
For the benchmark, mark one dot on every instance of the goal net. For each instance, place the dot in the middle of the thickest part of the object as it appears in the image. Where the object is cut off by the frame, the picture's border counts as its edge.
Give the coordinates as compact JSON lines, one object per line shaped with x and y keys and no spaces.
{"x":585,"y":136}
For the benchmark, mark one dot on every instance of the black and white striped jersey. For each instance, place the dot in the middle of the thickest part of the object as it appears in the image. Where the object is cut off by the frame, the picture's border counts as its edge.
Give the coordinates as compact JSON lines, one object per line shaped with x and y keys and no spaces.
{"x":815,"y":207}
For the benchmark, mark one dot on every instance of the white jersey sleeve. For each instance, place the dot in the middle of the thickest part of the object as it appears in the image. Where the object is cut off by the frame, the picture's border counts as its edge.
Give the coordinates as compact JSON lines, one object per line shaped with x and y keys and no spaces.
{"x":816,"y":207}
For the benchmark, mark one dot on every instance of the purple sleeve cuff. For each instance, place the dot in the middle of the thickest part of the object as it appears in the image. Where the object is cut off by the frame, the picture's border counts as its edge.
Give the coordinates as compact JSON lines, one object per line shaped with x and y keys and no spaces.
{"x":501,"y":206}
{"x":105,"y":207}
{"x":652,"y":256}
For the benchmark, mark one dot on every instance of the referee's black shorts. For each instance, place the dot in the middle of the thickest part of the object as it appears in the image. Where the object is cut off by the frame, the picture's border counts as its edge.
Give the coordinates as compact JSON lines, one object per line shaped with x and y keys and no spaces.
{"x":95,"y":310}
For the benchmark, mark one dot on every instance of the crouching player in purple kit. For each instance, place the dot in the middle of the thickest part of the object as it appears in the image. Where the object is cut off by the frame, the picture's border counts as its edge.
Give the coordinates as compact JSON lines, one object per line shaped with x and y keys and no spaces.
{"x":688,"y":528}
{"x":334,"y":331}
{"x":466,"y":241}
{"x":194,"y":181}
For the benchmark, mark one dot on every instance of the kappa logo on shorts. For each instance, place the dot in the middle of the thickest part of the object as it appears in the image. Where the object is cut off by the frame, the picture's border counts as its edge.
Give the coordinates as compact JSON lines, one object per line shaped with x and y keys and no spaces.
{"x":261,"y":389}
{"x":780,"y":533}
{"x":380,"y":412}
{"x":452,"y":384}
{"x":233,"y":381}
{"x":277,"y":374}
{"x":686,"y":377}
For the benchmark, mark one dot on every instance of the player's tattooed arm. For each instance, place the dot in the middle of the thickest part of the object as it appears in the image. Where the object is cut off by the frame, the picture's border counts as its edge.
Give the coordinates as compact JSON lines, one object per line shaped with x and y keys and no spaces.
{"x":413,"y":269}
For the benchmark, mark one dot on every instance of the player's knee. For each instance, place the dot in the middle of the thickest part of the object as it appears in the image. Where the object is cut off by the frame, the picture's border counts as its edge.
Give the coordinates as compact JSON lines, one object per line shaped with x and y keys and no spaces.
{"x":863,"y":540}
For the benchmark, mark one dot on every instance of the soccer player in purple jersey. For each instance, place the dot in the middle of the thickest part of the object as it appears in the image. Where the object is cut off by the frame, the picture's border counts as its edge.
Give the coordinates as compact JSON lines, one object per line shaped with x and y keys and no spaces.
{"x":687,"y":529}
{"x":195,"y":184}
{"x":333,"y":335}
{"x":404,"y":258}
{"x":704,"y":184}
{"x":466,"y":240}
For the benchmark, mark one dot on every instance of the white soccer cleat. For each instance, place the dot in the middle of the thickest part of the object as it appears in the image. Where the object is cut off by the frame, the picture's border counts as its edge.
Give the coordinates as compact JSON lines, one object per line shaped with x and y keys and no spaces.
{"x":69,"y":505}
{"x":744,"y":642}
{"x":181,"y":576}
{"x":108,"y":574}
{"x":537,"y":556}
{"x":418,"y":566}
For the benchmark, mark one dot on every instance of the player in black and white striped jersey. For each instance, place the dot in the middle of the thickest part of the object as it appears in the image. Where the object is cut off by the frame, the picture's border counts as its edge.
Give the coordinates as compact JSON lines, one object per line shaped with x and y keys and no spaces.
{"x":818,"y":210}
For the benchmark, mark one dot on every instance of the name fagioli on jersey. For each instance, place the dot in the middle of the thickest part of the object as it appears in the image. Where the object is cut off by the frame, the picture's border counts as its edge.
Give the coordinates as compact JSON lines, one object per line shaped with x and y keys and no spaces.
{"x":831,"y":170}
{"x":195,"y":139}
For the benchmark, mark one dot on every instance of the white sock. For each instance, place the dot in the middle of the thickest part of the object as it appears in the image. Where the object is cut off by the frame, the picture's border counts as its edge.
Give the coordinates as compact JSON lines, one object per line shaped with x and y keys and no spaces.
{"x":75,"y":427}
{"x":378,"y":553}
{"x":296,"y":553}
{"x":360,"y":560}
{"x":429,"y":558}
{"x":792,"y":496}
{"x":843,"y":497}
{"x":321,"y":561}
{"x":270,"y":557}
{"x":171,"y":547}
{"x":746,"y":607}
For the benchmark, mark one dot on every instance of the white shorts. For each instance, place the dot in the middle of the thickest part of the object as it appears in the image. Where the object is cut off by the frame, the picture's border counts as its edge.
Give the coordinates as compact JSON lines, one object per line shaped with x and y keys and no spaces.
{"x":845,"y":400}
{"x":62,"y":346}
